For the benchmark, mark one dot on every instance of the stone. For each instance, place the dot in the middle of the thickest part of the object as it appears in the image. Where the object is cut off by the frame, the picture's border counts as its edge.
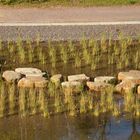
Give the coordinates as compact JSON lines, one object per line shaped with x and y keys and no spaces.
{"x":125,"y":86}
{"x":25,"y":83}
{"x":72,"y":87}
{"x":35,"y":75}
{"x":138,"y":89}
{"x":41,"y":83}
{"x":79,"y":77}
{"x":38,"y":82}
{"x":11,"y":76}
{"x":123,"y":75}
{"x":132,"y":75}
{"x":56,"y":79}
{"x":135,"y":72}
{"x":106,"y":79}
{"x":26,"y":71}
{"x":98,"y":86}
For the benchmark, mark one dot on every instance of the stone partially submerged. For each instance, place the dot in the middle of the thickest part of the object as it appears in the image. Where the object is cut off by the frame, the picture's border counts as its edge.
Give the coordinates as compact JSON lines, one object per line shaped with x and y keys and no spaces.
{"x":126,"y":86}
{"x":11,"y":76}
{"x":133,"y":75}
{"x":79,"y":77}
{"x":38,"y":82}
{"x":106,"y":79}
{"x":72,"y":87}
{"x":98,"y":86}
{"x":138,"y":90}
{"x":27,"y":71}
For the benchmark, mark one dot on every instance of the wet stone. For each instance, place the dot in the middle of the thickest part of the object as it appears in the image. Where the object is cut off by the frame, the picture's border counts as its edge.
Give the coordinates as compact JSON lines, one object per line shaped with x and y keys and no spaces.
{"x":27,"y":71}
{"x":79,"y":77}
{"x":138,"y":89}
{"x":72,"y":87}
{"x":125,"y":86}
{"x":133,"y":75}
{"x":25,"y":83}
{"x":38,"y":82}
{"x":11,"y":76}
{"x":106,"y":79}
{"x":35,"y":75}
{"x":98,"y":86}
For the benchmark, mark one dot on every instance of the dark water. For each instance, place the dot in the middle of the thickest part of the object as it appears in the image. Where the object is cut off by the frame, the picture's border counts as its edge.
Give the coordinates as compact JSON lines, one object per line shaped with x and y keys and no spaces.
{"x":62,"y":127}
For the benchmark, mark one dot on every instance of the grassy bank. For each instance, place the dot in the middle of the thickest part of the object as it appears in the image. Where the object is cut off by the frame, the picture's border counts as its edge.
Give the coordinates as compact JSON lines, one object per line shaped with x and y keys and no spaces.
{"x":46,"y":3}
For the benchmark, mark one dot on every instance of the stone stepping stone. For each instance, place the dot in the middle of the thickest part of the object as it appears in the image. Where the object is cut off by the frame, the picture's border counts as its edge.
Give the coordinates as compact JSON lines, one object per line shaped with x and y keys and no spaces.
{"x":27,"y":71}
{"x":79,"y":77}
{"x":132,"y":75}
{"x":125,"y":86}
{"x":72,"y":87}
{"x":138,"y":90}
{"x":11,"y":76}
{"x":35,"y":75}
{"x":105,"y":79}
{"x":38,"y":82}
{"x":98,"y":86}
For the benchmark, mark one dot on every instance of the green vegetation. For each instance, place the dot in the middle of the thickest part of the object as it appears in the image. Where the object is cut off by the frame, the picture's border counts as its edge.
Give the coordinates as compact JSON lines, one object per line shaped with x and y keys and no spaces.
{"x":41,"y":101}
{"x":46,"y":3}
{"x":111,"y":54}
{"x":95,"y":54}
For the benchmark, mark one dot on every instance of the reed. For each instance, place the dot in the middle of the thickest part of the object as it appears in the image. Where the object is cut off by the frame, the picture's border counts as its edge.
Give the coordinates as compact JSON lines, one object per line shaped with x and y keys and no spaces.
{"x":103,"y":43}
{"x":78,"y":62}
{"x":38,"y":40}
{"x":43,"y":102}
{"x":72,"y":108}
{"x":52,"y":55}
{"x":22,"y":102}
{"x":12,"y":98}
{"x":83,"y":103}
{"x":90,"y":101}
{"x":116,"y":111}
{"x":32,"y":101}
{"x":96,"y":110}
{"x":2,"y":100}
{"x":129,"y":101}
{"x":71,"y":46}
{"x":64,"y":54}
{"x":21,"y":51}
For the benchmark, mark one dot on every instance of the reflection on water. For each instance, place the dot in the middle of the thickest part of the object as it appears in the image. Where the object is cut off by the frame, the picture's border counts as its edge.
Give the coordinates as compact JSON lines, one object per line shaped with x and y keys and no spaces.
{"x":62,"y":127}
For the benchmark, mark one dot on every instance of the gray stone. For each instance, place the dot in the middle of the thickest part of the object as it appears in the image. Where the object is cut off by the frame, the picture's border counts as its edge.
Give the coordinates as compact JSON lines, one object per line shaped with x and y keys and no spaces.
{"x":79,"y":77}
{"x":106,"y":79}
{"x":27,"y":71}
{"x":35,"y":75}
{"x":72,"y":87}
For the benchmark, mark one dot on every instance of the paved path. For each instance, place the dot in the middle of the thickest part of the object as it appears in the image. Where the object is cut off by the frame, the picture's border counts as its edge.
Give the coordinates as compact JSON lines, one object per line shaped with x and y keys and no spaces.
{"x":63,"y":15}
{"x":69,"y":23}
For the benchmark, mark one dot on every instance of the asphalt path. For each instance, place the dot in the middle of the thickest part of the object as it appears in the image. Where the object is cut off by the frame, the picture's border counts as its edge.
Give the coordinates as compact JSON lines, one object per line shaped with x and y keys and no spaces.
{"x":69,"y":23}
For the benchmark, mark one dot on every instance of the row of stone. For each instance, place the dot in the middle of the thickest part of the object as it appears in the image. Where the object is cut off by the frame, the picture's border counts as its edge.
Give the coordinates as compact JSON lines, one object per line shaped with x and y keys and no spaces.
{"x":33,"y":77}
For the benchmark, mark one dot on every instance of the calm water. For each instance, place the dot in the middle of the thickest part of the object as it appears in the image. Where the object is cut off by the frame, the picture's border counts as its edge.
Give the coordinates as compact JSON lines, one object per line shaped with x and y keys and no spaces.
{"x":61,"y":127}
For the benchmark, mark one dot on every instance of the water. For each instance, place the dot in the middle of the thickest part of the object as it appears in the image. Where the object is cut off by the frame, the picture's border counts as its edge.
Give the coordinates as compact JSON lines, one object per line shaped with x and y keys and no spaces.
{"x":62,"y":127}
